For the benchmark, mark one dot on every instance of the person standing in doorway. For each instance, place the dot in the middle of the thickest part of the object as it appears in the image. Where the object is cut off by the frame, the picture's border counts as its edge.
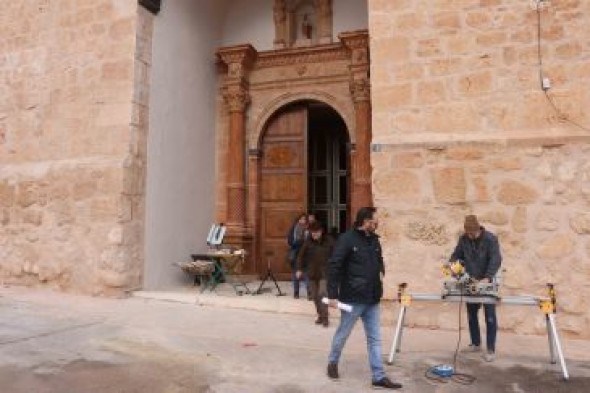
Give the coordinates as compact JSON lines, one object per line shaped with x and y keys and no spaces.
{"x":479,"y":251}
{"x":295,"y":239}
{"x":313,"y":258}
{"x":354,"y":277}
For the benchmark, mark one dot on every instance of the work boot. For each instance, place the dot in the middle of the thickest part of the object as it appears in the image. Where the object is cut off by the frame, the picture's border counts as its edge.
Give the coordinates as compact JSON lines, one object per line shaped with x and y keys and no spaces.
{"x":325,"y":322}
{"x":333,"y":370}
{"x":385,"y":383}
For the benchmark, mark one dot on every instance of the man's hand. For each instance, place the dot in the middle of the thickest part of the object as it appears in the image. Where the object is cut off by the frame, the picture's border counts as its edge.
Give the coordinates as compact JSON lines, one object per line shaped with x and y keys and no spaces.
{"x":333,"y":303}
{"x":298,"y":274}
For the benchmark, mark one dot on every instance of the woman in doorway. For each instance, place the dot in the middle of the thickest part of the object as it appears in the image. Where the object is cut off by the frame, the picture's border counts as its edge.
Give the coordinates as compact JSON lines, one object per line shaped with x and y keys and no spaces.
{"x":295,"y":239}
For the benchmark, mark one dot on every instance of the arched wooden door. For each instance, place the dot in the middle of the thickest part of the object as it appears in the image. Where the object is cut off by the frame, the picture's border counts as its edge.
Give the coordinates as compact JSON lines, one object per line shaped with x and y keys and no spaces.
{"x":283,"y":185}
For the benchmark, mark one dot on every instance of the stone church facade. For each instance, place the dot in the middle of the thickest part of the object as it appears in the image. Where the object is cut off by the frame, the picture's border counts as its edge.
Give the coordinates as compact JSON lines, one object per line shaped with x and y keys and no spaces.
{"x":124,"y":132}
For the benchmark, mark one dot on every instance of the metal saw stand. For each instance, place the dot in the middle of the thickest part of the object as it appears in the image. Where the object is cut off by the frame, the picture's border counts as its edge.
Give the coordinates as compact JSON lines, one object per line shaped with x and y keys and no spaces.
{"x":546,"y":304}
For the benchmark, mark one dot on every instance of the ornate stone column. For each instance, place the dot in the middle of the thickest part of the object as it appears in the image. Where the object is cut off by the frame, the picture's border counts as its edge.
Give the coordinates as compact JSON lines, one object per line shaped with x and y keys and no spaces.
{"x":235,"y":92}
{"x":360,"y":89}
{"x":252,"y":215}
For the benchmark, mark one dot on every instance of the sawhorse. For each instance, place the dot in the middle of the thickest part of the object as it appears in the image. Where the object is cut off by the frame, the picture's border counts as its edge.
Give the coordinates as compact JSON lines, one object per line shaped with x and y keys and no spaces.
{"x":546,"y":304}
{"x":221,"y":274}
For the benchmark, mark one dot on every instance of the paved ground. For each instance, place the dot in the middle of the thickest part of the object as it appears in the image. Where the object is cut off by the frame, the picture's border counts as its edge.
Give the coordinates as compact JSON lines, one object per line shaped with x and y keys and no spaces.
{"x":58,"y":343}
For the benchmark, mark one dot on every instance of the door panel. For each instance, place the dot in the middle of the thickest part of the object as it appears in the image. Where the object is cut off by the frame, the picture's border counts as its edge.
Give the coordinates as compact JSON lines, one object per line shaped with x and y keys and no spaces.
{"x":281,"y":155}
{"x":282,"y":187}
{"x":283,"y":191}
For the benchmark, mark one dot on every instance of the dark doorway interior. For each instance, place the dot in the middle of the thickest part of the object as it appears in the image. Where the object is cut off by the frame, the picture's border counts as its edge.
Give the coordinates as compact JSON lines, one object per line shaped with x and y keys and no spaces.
{"x":304,"y":167}
{"x":328,"y":167}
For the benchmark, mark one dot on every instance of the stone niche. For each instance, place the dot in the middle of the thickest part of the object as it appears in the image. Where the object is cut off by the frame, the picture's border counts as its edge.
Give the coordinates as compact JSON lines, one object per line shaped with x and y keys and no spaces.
{"x":300,"y":23}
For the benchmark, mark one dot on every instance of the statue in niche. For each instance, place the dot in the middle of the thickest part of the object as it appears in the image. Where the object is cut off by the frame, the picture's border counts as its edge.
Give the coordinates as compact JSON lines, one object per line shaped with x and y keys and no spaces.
{"x":306,"y":27}
{"x":308,"y":22}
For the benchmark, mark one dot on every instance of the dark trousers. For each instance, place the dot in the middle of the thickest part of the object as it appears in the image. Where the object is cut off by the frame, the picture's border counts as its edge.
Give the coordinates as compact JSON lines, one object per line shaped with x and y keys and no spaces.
{"x":491,"y":324}
{"x":318,"y":290}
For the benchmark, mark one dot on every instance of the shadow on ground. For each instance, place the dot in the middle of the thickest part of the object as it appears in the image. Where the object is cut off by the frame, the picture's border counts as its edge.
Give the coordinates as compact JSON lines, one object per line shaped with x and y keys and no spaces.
{"x":102,"y":377}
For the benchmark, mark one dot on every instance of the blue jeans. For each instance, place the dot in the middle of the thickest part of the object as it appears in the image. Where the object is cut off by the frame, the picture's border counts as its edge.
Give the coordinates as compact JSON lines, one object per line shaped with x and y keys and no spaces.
{"x":491,"y":324}
{"x":369,"y":313}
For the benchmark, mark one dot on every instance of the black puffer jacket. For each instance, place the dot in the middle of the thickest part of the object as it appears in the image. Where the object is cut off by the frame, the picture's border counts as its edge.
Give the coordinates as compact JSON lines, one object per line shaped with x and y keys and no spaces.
{"x":354,"y":268}
{"x":482,"y":257}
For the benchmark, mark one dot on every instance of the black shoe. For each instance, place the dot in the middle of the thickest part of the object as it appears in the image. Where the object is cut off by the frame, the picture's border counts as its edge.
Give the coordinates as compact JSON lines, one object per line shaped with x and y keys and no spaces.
{"x":385,"y":383}
{"x":333,"y":370}
{"x":296,"y":296}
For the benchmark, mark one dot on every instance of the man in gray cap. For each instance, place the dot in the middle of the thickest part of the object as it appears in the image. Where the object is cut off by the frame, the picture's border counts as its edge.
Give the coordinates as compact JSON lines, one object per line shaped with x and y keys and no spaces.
{"x":480,"y":252}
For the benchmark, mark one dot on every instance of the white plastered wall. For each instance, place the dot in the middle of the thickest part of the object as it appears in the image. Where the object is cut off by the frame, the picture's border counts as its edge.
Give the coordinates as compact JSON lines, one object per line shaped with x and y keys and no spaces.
{"x":181,"y":141}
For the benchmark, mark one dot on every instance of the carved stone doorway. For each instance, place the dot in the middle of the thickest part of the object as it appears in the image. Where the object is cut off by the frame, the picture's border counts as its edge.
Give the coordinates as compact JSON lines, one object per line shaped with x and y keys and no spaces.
{"x":256,"y":86}
{"x":304,"y":167}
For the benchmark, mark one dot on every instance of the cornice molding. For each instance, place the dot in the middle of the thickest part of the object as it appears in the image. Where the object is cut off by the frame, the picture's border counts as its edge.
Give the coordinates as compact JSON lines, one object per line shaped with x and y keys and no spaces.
{"x":289,"y":57}
{"x":243,"y":55}
{"x":355,"y":39}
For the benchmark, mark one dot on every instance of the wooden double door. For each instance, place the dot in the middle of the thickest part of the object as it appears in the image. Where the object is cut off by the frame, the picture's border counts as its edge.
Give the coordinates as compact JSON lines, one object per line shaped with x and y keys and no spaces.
{"x":303,"y":168}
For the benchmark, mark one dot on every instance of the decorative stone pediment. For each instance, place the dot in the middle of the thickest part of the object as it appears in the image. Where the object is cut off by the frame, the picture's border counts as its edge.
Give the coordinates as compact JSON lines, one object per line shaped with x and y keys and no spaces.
{"x":260,"y":82}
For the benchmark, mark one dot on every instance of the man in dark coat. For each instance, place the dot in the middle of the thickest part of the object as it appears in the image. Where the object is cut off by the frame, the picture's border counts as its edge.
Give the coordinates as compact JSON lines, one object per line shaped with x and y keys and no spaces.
{"x":479,"y":251}
{"x":313,"y":259}
{"x":354,"y":277}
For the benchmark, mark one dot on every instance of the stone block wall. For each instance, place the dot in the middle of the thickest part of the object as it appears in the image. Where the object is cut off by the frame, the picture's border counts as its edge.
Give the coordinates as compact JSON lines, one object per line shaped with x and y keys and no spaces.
{"x":70,"y":138}
{"x":461,"y":125}
{"x":468,"y":70}
{"x":536,"y":199}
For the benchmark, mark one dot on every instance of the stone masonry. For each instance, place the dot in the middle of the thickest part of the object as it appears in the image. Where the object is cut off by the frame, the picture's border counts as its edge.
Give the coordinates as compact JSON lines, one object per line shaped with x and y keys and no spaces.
{"x":74,"y":77}
{"x":461,"y":125}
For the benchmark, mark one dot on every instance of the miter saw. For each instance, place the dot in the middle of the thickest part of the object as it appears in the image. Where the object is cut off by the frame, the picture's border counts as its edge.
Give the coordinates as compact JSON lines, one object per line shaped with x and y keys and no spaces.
{"x":460,"y":283}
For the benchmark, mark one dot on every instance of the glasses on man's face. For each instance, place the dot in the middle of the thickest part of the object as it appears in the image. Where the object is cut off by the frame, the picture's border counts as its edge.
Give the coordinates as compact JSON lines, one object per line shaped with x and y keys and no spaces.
{"x":374,"y":223}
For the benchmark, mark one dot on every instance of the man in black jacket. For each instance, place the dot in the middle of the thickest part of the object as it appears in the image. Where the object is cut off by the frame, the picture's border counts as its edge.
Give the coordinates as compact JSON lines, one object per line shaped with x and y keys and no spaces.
{"x":354,"y":277}
{"x":480,"y":252}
